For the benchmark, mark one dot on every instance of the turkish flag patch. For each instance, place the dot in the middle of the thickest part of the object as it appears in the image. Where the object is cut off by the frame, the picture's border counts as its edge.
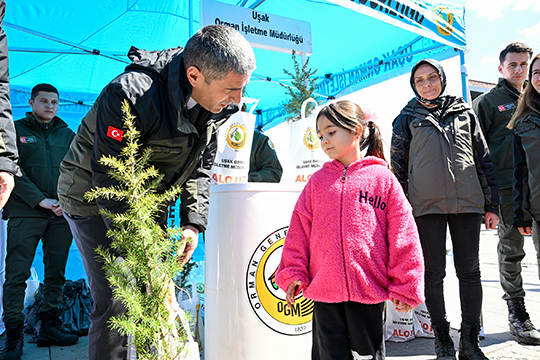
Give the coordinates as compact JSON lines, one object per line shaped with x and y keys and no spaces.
{"x":115,"y":133}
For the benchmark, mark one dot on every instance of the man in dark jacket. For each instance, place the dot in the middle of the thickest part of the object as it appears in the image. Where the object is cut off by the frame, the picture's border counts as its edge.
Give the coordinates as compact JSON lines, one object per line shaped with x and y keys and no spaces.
{"x":34,"y":213}
{"x":179,"y":98}
{"x":264,"y":165}
{"x":494,"y":110}
{"x":8,"y":148}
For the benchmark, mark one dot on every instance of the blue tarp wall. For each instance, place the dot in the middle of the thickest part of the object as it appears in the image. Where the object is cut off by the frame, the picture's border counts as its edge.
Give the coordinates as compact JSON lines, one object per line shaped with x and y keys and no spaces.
{"x":80,"y":46}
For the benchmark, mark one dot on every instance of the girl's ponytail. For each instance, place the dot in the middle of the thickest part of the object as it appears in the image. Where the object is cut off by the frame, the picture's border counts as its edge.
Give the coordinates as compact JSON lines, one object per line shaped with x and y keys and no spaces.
{"x":373,"y":141}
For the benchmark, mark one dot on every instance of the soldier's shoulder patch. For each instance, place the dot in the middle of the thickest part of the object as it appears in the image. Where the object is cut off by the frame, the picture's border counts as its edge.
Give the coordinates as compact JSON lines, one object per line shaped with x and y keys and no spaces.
{"x":27,"y":139}
{"x":506,"y":107}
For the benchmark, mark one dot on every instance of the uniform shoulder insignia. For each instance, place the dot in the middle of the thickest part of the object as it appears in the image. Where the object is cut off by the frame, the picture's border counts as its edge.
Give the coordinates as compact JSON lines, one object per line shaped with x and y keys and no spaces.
{"x":115,"y":133}
{"x":506,"y":107}
{"x":27,"y":139}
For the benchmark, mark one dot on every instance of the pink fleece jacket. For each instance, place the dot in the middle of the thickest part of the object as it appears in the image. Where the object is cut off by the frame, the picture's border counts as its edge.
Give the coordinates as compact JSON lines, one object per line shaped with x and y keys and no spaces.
{"x":353,"y":237}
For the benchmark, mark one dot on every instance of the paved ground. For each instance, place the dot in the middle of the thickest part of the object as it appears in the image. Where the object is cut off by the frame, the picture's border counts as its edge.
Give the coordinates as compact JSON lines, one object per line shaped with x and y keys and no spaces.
{"x":498,"y":344}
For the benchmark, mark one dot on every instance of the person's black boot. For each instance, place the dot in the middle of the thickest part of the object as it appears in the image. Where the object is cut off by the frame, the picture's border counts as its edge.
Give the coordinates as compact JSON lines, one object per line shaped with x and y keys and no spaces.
{"x":520,"y":323}
{"x":444,"y":345}
{"x":13,"y":348}
{"x":52,"y":332}
{"x":468,"y":343}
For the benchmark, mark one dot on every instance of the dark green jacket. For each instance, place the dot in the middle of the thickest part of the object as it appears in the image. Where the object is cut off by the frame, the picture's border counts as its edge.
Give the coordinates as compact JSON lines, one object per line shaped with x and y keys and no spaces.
{"x":264,"y":164}
{"x":527,"y":170}
{"x":494,"y":110}
{"x":443,"y":163}
{"x":41,"y":150}
{"x":157,"y":89}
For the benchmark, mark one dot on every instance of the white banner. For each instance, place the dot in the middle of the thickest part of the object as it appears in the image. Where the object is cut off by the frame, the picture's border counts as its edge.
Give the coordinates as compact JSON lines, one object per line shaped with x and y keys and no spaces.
{"x":262,"y":30}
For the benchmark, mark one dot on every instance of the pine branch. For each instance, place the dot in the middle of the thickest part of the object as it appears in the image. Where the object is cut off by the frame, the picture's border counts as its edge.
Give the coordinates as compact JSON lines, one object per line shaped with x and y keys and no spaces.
{"x":141,"y":277}
{"x":302,"y":89}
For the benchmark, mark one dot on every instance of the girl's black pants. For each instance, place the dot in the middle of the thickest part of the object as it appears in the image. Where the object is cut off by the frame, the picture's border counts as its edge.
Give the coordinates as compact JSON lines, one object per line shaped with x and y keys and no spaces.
{"x":347,"y":331}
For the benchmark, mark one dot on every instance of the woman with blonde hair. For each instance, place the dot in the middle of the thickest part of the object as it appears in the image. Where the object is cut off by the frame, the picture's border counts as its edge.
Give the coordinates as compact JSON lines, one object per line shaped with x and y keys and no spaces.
{"x":526,"y":126}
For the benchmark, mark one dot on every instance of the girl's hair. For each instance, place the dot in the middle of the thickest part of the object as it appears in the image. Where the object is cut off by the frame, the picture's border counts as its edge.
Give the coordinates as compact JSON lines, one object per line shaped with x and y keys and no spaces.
{"x":529,"y":100}
{"x":348,"y":115}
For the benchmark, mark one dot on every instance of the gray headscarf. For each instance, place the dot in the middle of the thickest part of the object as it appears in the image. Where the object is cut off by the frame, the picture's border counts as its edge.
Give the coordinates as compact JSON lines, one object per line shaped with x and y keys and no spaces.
{"x":441,"y":98}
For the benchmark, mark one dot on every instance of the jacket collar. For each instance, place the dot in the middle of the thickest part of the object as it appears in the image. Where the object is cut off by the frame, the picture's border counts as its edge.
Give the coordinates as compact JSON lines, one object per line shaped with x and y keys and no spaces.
{"x":416,"y":109}
{"x":503,"y":84}
{"x":168,"y":65}
{"x":55,"y":122}
{"x":365,"y":161}
{"x":535,"y":117}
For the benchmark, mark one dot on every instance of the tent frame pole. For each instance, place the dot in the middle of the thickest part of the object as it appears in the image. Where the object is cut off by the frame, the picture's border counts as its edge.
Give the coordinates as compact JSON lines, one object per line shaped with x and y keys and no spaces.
{"x":464,"y":77}
{"x":190,"y":18}
{"x":86,"y":49}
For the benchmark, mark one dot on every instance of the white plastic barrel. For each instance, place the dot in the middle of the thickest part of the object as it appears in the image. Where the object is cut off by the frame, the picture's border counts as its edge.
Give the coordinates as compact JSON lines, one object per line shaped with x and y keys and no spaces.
{"x":246,"y":317}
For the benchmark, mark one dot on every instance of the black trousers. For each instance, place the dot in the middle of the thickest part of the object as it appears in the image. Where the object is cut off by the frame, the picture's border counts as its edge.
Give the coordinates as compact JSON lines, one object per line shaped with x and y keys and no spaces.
{"x":103,"y":342}
{"x":347,"y":331}
{"x":23,"y":238}
{"x":465,"y":235}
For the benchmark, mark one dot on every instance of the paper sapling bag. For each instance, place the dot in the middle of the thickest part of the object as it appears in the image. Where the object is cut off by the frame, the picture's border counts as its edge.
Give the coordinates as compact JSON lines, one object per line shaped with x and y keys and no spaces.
{"x":422,"y":322}
{"x":234,"y":141}
{"x":306,"y":155}
{"x":398,"y":326}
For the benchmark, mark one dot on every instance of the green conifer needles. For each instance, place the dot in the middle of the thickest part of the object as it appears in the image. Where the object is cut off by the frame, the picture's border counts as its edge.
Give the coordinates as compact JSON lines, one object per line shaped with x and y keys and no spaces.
{"x":301,"y":89}
{"x":143,"y":257}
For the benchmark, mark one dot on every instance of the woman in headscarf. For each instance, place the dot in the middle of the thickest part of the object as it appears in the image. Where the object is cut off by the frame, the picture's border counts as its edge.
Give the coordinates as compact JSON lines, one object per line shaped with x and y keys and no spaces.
{"x":441,"y":159}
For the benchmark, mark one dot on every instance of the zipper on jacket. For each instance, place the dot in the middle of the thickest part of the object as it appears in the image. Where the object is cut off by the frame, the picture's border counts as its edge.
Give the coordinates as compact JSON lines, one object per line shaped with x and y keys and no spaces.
{"x":49,"y":161}
{"x":451,"y":152}
{"x":343,"y":178}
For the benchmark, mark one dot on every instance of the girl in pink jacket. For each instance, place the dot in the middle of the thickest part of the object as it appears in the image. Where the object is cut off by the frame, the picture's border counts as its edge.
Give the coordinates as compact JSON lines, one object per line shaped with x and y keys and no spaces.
{"x":352,"y":242}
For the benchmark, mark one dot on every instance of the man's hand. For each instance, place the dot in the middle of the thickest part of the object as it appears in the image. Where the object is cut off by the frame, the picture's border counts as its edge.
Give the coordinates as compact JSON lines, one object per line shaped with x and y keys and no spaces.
{"x":51,"y":204}
{"x":191,"y":234}
{"x":7,"y":183}
{"x":491,"y":220}
{"x":57,"y":210}
{"x":527,"y":230}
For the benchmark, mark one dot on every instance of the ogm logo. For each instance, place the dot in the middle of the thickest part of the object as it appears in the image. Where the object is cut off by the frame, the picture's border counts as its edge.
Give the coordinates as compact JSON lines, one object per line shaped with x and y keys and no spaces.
{"x":237,"y":136}
{"x":266,"y":299}
{"x":445,"y":26}
{"x":311,"y":140}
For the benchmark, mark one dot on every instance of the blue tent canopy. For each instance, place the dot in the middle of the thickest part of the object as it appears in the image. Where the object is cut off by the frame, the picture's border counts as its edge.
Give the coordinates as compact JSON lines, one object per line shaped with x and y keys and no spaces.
{"x":80,"y":46}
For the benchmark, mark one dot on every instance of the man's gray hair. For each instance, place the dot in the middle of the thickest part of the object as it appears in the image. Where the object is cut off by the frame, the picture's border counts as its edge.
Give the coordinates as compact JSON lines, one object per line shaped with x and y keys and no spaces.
{"x":216,"y":50}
